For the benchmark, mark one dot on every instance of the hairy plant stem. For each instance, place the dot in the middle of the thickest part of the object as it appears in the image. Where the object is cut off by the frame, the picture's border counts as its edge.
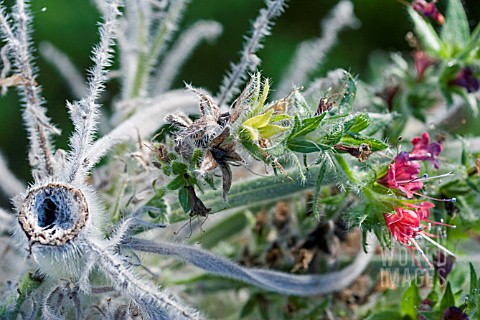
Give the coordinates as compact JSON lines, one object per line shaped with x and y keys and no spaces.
{"x":146,"y":60}
{"x":253,"y":192}
{"x":28,"y":283}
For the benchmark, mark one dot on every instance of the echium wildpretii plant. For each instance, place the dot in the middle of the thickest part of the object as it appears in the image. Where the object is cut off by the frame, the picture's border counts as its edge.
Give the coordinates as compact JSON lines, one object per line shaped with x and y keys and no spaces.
{"x":318,"y":146}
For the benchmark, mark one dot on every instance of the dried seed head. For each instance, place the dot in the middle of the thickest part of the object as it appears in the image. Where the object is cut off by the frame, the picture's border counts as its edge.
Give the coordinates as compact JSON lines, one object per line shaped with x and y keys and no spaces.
{"x":53,"y":214}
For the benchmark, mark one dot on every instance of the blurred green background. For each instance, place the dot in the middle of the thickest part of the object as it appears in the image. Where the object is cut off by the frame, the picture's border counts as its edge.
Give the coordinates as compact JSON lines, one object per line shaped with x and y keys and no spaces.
{"x":71,"y":26}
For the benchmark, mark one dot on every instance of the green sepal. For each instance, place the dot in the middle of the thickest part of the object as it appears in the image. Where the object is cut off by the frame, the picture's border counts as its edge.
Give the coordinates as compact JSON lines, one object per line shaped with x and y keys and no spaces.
{"x":271,"y":130}
{"x":259,"y":121}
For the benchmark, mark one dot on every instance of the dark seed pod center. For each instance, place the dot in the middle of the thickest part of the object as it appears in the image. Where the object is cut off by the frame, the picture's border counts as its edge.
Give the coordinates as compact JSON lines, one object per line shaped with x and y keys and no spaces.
{"x":53,"y":214}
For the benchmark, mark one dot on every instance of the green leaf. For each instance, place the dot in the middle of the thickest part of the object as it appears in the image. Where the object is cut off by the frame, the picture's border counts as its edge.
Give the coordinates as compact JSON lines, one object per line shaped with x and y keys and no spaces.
{"x":318,"y":185}
{"x":302,"y":145}
{"x":302,"y":128}
{"x":176,"y":183}
{"x":448,"y":299}
{"x":455,"y":30}
{"x":348,"y":98}
{"x":356,"y":140}
{"x":178,"y":167}
{"x":425,"y":32}
{"x":167,"y":169}
{"x":197,"y":155}
{"x":471,"y":48}
{"x":358,"y":124}
{"x":332,"y":136}
{"x":258,"y":121}
{"x":409,"y":302}
{"x":473,"y":285}
{"x":184,"y":199}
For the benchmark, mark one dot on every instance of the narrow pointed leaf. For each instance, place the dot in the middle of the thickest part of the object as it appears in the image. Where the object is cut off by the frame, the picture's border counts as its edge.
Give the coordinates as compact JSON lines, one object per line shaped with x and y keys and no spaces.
{"x":409,"y":302}
{"x":425,"y":33}
{"x":455,"y":30}
{"x":306,"y":126}
{"x":348,"y":98}
{"x":176,"y":183}
{"x":448,"y":299}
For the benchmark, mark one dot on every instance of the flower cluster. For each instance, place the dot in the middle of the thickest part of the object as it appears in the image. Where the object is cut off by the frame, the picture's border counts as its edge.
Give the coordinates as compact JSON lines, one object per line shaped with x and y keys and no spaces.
{"x":405,"y":224}
{"x":403,"y":172}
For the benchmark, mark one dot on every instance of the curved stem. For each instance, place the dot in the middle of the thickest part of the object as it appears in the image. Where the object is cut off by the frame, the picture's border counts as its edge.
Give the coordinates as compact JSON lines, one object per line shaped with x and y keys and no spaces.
{"x":281,"y":282}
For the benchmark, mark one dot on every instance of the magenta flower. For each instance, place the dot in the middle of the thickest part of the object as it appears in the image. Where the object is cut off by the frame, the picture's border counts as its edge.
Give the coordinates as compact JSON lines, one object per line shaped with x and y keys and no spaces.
{"x":405,"y":226}
{"x":429,"y":10}
{"x":402,"y":175}
{"x":466,"y":79}
{"x":422,"y":210}
{"x":423,"y":150}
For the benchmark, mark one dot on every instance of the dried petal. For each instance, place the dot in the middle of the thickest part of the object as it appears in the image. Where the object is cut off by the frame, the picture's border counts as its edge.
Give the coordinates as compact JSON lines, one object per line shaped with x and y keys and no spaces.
{"x":208,"y":164}
{"x":226,"y":179}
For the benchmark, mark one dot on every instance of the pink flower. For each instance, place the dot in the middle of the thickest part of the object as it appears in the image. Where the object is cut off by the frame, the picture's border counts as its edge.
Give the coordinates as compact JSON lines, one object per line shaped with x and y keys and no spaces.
{"x":429,"y":10}
{"x":424,"y":210}
{"x":402,"y":175}
{"x":422,"y":62}
{"x":423,"y":150}
{"x":403,"y":225}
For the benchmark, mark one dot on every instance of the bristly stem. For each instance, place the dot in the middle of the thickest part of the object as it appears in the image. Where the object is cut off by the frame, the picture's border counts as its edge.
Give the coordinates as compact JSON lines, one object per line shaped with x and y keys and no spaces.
{"x":310,"y":54}
{"x":38,"y":125}
{"x":84,"y":113}
{"x":158,"y":304}
{"x":146,"y":60}
{"x":183,"y":48}
{"x":249,"y":61}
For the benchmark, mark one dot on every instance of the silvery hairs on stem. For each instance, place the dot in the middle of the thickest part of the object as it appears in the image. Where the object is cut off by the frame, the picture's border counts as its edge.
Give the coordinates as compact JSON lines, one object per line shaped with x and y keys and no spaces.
{"x":61,"y":225}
